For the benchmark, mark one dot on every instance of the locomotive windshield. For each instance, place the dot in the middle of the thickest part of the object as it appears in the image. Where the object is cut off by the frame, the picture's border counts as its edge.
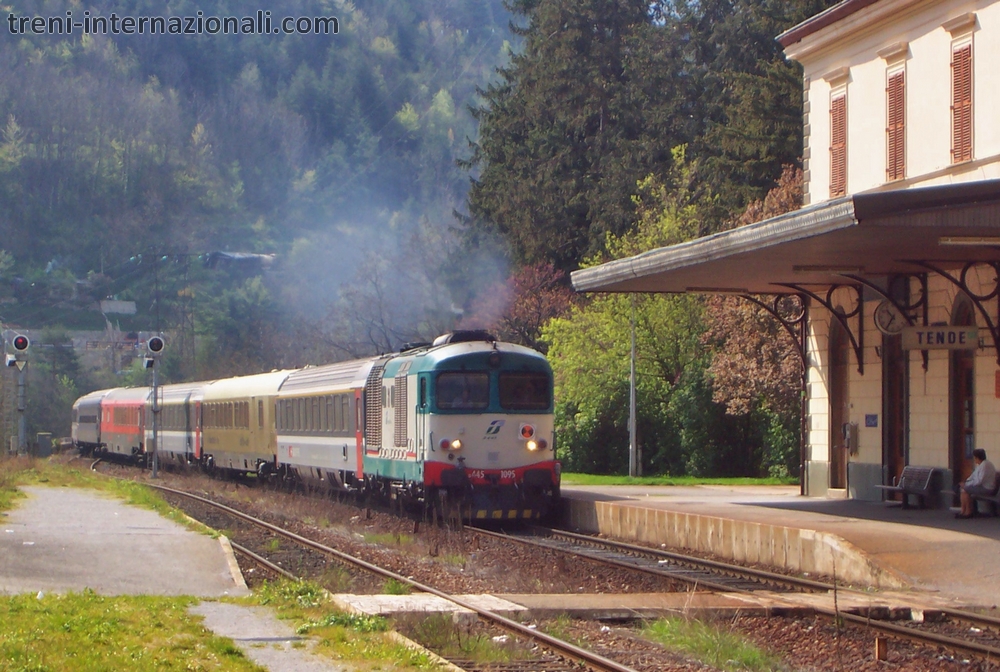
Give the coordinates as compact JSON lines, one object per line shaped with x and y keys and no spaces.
{"x":524,"y":391}
{"x":463,"y":390}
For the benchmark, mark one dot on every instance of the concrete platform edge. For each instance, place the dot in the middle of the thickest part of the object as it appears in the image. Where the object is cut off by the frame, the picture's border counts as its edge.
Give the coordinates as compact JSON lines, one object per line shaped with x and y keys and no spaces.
{"x":234,"y":566}
{"x":799,"y":550}
{"x":441,"y":663}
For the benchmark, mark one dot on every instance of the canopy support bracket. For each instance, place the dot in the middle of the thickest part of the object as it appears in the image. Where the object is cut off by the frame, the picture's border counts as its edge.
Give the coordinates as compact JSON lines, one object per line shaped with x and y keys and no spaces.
{"x":978,"y":300}
{"x":857,"y":341}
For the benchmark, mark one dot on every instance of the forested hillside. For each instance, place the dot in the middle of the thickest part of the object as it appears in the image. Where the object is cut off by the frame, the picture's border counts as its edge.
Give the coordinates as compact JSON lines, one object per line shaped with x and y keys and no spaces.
{"x":128,"y":162}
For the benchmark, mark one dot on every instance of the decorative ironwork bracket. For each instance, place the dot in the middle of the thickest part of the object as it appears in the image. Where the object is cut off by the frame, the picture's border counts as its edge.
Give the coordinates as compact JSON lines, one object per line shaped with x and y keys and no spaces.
{"x":978,"y":300}
{"x":907,"y":311}
{"x":858,"y":341}
{"x":790,"y":311}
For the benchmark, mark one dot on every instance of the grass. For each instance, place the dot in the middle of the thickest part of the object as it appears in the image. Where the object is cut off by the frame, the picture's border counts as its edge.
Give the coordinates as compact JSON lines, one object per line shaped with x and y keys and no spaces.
{"x":712,"y":645}
{"x":442,"y":635}
{"x":593,"y":479}
{"x":394,"y":587}
{"x":361,"y":642}
{"x":561,"y":627}
{"x":86,"y":631}
{"x":389,"y":539}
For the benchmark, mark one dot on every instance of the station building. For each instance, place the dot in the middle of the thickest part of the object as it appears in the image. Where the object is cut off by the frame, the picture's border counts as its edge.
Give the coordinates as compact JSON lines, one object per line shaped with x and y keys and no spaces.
{"x":888,"y":275}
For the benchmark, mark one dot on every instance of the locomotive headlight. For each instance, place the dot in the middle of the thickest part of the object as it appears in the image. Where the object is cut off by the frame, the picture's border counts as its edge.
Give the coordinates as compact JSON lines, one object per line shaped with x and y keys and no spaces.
{"x":448,"y":444}
{"x":536,"y":444}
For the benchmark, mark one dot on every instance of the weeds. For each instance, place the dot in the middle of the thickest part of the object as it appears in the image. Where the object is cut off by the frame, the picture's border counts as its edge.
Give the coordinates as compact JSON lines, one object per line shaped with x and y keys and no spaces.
{"x":360,"y":623}
{"x":389,"y":539}
{"x":394,"y":587}
{"x":712,"y":645}
{"x":440,"y":633}
{"x":360,"y":641}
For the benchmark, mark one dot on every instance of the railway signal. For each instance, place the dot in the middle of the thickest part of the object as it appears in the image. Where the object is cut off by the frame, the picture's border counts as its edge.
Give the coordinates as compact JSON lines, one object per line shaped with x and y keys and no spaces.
{"x":154,"y":348}
{"x":19,"y":358}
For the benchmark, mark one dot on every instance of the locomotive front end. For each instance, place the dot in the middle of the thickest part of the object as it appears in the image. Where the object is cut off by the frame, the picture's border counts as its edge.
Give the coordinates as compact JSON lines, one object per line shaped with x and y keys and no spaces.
{"x":489,"y":431}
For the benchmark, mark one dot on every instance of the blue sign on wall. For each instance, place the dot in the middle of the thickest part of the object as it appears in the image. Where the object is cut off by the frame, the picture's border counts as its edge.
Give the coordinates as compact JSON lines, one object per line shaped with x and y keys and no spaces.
{"x":871,"y":419}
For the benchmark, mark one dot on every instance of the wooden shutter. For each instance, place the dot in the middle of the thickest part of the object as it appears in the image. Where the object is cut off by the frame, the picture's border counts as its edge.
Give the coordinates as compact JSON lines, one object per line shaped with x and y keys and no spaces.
{"x":961,"y":104}
{"x":838,"y":146}
{"x":895,"y":165}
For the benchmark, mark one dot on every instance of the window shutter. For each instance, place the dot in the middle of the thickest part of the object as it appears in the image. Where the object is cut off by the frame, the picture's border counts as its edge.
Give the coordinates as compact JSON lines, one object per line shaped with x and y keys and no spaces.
{"x":961,"y":104}
{"x":838,"y":146}
{"x":895,"y":167}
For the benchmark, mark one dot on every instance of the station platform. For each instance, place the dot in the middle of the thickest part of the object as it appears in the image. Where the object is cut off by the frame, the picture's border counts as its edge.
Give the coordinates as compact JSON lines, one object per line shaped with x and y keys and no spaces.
{"x":67,"y":539}
{"x":864,"y":544}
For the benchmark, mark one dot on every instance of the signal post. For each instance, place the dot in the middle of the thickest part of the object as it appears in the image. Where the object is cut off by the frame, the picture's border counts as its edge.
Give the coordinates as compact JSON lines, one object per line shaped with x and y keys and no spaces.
{"x":19,"y":358}
{"x":154,"y":348}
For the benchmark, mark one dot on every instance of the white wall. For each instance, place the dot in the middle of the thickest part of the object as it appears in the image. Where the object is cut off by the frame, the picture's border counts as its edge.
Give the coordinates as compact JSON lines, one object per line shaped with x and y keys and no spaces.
{"x":853,"y":44}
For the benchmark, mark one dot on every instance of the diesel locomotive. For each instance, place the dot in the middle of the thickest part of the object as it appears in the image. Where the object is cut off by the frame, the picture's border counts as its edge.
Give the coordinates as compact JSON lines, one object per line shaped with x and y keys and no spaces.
{"x":466,"y":420}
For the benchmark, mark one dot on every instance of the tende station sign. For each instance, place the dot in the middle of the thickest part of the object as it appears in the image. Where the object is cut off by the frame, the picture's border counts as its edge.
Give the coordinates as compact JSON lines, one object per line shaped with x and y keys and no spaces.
{"x":940,"y":338}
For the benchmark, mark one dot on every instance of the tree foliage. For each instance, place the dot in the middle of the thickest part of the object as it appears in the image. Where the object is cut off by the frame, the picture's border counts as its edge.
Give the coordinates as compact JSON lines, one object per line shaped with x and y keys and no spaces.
{"x":601,"y":93}
{"x":585,"y":110}
{"x":755,"y":367}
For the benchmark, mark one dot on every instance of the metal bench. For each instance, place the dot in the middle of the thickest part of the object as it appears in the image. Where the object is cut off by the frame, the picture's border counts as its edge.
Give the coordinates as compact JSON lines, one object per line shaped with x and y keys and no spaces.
{"x":993,"y":500}
{"x":921,"y":482}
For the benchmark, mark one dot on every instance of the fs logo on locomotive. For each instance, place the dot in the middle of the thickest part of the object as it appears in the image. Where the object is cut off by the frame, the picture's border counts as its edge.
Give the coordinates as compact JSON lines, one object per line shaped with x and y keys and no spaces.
{"x":493,"y":429}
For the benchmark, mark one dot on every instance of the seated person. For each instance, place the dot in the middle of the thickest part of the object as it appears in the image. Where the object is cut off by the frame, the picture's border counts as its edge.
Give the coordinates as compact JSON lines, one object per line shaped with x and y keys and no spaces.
{"x":982,"y":482}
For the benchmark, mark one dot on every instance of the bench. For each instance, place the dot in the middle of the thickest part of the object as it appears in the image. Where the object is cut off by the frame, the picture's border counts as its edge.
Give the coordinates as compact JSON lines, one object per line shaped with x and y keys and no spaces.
{"x":993,"y":500}
{"x":917,"y":481}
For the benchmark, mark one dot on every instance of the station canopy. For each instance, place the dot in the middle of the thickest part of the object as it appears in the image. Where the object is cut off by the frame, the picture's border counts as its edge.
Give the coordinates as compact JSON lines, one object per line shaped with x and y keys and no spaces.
{"x":870,"y":235}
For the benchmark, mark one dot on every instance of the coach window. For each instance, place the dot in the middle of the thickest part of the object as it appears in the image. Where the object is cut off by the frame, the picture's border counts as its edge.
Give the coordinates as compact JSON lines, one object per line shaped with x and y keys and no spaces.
{"x":345,"y":412}
{"x":466,"y":391}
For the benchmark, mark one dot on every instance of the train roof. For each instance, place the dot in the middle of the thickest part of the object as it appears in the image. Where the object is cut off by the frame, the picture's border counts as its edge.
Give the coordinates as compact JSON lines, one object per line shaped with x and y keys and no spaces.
{"x":127,"y":394}
{"x":92,"y":397}
{"x":184,"y":391}
{"x":259,"y":385}
{"x":451,"y":356}
{"x":339,"y":376}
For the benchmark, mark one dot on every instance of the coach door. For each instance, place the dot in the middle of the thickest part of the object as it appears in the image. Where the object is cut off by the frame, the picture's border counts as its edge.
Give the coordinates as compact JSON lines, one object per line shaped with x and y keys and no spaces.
{"x":962,"y":397}
{"x":839,"y":362}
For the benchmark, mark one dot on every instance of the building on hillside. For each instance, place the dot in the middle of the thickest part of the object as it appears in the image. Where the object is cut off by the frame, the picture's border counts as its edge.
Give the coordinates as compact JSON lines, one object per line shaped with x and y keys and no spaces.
{"x":892,"y":263}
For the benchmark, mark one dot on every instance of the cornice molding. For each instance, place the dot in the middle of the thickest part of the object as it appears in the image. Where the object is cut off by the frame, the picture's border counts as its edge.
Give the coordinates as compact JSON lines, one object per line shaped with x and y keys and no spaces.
{"x":894,"y":52}
{"x":960,"y":24}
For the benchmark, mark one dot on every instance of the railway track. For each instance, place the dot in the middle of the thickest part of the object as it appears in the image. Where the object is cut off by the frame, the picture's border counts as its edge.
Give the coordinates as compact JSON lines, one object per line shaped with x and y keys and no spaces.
{"x":981,"y":632}
{"x":563,"y":649}
{"x":696,"y":572}
{"x":962,"y":632}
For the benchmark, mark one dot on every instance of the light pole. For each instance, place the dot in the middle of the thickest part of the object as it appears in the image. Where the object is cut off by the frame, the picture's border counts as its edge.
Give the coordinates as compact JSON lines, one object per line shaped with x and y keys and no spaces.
{"x":634,"y":466}
{"x":154,"y":347}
